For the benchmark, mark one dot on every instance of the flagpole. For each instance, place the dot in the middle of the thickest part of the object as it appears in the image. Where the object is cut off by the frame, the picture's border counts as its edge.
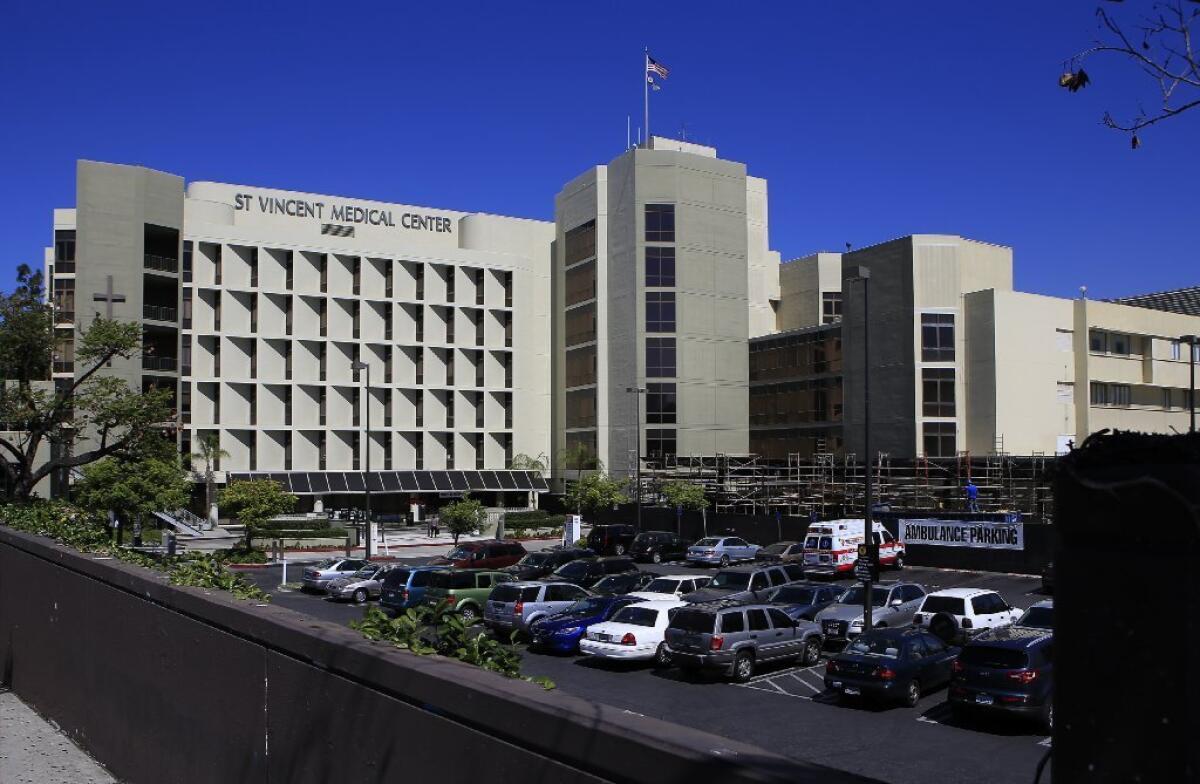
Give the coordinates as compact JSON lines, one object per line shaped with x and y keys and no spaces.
{"x":646,"y":91}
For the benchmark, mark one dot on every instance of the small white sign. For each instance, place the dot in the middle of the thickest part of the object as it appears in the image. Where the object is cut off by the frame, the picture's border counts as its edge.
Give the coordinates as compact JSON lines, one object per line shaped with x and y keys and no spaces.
{"x":571,"y":529}
{"x":959,"y":533}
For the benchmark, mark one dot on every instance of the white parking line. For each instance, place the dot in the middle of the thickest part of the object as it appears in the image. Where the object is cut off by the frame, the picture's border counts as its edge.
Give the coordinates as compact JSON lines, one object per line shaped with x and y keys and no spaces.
{"x":768,"y":676}
{"x":805,"y":683}
{"x":775,"y":690}
{"x":1046,"y":742}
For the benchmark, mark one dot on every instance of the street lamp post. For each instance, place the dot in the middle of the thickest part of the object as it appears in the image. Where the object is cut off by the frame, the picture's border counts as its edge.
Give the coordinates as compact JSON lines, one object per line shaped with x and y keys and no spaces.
{"x":367,"y":476}
{"x":1191,"y":344}
{"x":851,"y":275}
{"x":637,"y":392}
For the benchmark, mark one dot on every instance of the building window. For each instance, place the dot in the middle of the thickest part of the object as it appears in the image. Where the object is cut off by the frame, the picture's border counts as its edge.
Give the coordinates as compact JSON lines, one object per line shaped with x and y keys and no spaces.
{"x":659,"y":443}
{"x":660,"y":358}
{"x":1099,"y":394}
{"x":1097,"y":341}
{"x":187,"y":261}
{"x":660,"y":223}
{"x":581,"y":367}
{"x":580,"y":284}
{"x":1118,"y":394}
{"x":1176,"y":352}
{"x":660,"y":311}
{"x":831,"y":307}
{"x":937,"y":385}
{"x":660,"y":267}
{"x":64,"y":248}
{"x":581,"y":408}
{"x":1118,"y":344}
{"x":579,"y":243}
{"x":937,"y":337}
{"x":1166,"y":403}
{"x":660,"y":404}
{"x":581,"y":325}
{"x":939,"y":439}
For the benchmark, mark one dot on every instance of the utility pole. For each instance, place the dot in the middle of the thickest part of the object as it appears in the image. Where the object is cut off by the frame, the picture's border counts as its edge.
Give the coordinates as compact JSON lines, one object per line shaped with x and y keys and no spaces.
{"x":1191,"y":344}
{"x":367,"y":476}
{"x":863,"y":274}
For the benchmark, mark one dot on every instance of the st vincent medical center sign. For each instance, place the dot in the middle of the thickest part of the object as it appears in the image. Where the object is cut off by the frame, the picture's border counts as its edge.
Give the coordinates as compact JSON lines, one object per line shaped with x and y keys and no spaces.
{"x":340,"y":213}
{"x":957,"y":533}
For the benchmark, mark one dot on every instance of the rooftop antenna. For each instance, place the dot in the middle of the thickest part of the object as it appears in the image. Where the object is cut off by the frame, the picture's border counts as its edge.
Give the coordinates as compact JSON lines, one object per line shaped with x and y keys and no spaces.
{"x":1083,"y":292}
{"x":628,"y":137}
{"x":849,"y":247}
{"x":683,"y":131}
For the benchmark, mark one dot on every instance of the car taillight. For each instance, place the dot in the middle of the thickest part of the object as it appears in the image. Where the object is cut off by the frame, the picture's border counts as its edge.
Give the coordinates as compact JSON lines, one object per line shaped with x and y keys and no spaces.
{"x":918,"y":619}
{"x":886,"y":673}
{"x":966,"y":623}
{"x":831,"y":666}
{"x":518,"y":608}
{"x":404,"y":595}
{"x":1023,"y":676}
{"x":629,"y":639}
{"x":957,"y":666}
{"x":716,"y":642}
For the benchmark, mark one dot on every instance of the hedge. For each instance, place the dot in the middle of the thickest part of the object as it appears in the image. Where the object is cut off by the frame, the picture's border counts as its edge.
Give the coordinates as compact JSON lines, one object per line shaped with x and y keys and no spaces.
{"x":310,"y":524}
{"x":536,"y":518}
{"x":301,"y":533}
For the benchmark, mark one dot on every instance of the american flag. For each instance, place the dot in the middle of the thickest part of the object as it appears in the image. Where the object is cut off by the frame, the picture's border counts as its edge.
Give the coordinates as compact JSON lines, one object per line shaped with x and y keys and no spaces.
{"x":655,"y":67}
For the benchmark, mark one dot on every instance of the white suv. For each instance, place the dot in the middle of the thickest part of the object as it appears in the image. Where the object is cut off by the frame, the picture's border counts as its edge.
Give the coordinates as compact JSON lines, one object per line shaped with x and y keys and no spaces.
{"x":958,"y":613}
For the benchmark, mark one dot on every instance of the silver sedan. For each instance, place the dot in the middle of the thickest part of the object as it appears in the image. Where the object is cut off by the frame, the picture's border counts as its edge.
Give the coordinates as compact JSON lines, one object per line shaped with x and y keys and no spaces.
{"x":365,"y":584}
{"x":892,"y":605}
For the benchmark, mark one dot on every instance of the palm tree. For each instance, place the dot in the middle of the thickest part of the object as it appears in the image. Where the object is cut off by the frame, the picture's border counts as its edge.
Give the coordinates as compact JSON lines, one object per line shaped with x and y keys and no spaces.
{"x":211,"y":453}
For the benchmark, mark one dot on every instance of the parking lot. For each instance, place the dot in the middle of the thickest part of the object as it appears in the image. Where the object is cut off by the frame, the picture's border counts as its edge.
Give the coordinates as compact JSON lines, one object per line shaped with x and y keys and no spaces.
{"x":786,"y":709}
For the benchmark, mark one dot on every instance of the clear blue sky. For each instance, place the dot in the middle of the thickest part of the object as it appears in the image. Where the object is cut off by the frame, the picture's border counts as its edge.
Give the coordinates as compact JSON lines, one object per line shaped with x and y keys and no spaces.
{"x":870,"y":120}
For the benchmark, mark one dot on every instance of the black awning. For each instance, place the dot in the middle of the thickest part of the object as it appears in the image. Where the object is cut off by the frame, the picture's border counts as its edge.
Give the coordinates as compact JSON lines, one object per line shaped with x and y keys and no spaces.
{"x":425,"y":481}
{"x":441,"y":480}
{"x":490,"y":482}
{"x":354,"y":481}
{"x":457,"y":480}
{"x":506,"y":480}
{"x":337,"y":482}
{"x":374,"y":482}
{"x":330,"y":482}
{"x":318,"y":483}
{"x":474,"y":480}
{"x":391,"y":482}
{"x":408,"y":481}
{"x":538,"y":482}
{"x":522,"y":479}
{"x":300,"y":483}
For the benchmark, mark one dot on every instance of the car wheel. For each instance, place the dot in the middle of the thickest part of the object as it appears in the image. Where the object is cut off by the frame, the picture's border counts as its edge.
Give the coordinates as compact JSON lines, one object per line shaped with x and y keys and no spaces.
{"x":944,"y":627}
{"x":469,"y":615}
{"x":656,"y":557}
{"x":360,"y":596}
{"x":662,"y":656}
{"x":618,"y":549}
{"x":724,"y":561}
{"x":743,"y":667}
{"x":812,"y":651}
{"x":913,"y":694}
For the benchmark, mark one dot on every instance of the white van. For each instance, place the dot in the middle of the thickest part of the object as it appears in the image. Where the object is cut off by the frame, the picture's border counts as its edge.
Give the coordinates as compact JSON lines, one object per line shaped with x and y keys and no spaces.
{"x":831,"y":547}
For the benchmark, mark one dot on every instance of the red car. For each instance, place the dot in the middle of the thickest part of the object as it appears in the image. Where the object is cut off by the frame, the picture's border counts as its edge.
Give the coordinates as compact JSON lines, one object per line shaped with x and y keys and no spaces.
{"x":489,"y":554}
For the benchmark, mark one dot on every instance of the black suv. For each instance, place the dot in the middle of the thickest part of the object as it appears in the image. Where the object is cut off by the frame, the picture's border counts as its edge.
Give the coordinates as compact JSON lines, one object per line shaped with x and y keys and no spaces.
{"x":1010,"y":670}
{"x":658,"y":546}
{"x":540,"y":564}
{"x":611,"y":539}
{"x":586,"y":572}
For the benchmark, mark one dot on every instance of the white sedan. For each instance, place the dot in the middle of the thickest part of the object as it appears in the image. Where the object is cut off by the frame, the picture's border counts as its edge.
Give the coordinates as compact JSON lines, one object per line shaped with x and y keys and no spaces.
{"x":634,"y":633}
{"x":671,"y":586}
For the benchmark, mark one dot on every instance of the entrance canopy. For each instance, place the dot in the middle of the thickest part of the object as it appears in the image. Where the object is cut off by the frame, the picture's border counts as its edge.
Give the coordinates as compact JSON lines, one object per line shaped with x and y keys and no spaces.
{"x":405,"y":482}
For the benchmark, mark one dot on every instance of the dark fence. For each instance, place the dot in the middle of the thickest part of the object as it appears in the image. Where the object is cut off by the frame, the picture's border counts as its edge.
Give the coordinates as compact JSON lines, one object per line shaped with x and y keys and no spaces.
{"x":171,"y":684}
{"x":765,"y":529}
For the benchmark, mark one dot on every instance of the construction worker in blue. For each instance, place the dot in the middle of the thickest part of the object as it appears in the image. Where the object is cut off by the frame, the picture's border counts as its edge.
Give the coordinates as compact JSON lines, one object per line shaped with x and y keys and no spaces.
{"x":972,"y":496}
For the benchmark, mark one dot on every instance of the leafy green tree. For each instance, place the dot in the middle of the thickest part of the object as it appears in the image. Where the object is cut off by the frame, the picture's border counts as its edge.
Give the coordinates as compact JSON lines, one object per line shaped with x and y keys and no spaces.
{"x":463,"y":516}
{"x":256,"y":501}
{"x":523,"y":462}
{"x":86,"y":419}
{"x":596,"y":491}
{"x":210,"y":453}
{"x":133,"y":489}
{"x":580,"y":457}
{"x":686,"y":494}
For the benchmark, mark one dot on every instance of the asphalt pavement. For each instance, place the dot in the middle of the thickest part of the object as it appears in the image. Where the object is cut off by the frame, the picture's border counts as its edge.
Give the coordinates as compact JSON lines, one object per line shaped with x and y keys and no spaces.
{"x":786,"y":709}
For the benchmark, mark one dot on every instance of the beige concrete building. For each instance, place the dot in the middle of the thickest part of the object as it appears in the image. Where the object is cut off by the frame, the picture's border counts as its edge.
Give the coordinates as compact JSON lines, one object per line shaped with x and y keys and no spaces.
{"x":258,"y":304}
{"x":959,"y":361}
{"x":662,"y":274}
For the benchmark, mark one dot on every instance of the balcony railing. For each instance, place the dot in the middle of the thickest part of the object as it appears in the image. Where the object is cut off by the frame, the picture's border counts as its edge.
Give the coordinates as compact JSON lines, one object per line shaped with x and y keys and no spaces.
{"x":161,"y":263}
{"x":159,"y":363}
{"x":159,"y":312}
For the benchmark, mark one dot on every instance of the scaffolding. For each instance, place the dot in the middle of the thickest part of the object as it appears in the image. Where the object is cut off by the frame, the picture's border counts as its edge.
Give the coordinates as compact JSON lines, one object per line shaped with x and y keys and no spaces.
{"x":828,"y":485}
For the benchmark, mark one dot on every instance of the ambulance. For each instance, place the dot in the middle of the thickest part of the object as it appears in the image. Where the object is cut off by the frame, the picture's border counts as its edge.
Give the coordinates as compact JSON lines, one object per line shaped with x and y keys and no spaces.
{"x":831,"y":547}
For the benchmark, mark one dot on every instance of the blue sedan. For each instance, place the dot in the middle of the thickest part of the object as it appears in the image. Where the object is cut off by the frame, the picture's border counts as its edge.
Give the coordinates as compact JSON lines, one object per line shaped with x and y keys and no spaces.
{"x":561,"y":633}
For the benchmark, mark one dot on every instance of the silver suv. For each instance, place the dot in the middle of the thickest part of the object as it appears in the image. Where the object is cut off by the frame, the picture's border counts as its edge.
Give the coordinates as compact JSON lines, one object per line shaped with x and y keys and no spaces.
{"x":736,"y":638}
{"x":747,"y":583}
{"x":514,"y":606}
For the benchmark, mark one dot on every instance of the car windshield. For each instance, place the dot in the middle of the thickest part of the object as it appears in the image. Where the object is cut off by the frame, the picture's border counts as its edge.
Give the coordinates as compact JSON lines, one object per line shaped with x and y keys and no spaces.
{"x":773,"y":549}
{"x":874,"y":646}
{"x":811,"y":543}
{"x":645,"y":538}
{"x":636,"y":616}
{"x":995,"y":658}
{"x":731,"y":580}
{"x":946,"y":604}
{"x":708,"y":542}
{"x":328,"y":563}
{"x":366,"y":573}
{"x":795,"y":595}
{"x":505,"y":593}
{"x":615,"y":582}
{"x":696,"y":621}
{"x":535,"y":559}
{"x":855,"y":596}
{"x":459,"y":554}
{"x":585,"y":608}
{"x":1038,"y":617}
{"x":662,"y":585}
{"x":573,"y":569}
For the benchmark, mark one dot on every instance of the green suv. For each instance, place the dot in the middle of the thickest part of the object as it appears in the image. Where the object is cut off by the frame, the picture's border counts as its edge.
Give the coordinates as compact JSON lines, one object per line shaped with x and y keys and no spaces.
{"x":466,"y":589}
